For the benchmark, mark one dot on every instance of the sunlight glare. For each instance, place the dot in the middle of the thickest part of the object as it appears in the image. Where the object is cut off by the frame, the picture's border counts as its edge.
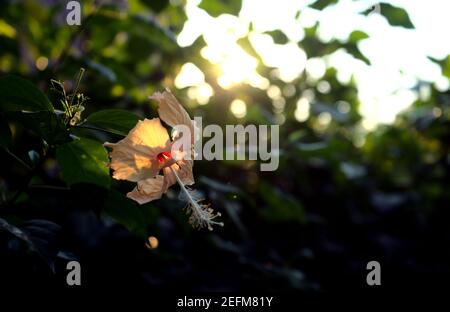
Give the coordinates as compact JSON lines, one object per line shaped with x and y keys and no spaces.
{"x":302,"y":110}
{"x":201,"y":93}
{"x":189,"y":75}
{"x":396,"y":65}
{"x":238,"y":108}
{"x":288,"y":59}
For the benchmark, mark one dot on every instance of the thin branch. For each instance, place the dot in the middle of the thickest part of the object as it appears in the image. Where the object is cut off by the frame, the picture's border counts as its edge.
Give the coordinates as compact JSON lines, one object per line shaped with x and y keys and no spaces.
{"x":49,"y":187}
{"x":77,"y":86}
{"x":18,"y":159}
{"x":99,"y":129}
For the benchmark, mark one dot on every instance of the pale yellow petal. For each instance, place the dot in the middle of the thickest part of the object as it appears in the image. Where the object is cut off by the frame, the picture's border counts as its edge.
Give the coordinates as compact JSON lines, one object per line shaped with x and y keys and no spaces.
{"x":134,"y":157}
{"x":131,"y":163}
{"x":151,"y":133}
{"x":172,"y":112}
{"x":147,"y":190}
{"x":183,"y":169}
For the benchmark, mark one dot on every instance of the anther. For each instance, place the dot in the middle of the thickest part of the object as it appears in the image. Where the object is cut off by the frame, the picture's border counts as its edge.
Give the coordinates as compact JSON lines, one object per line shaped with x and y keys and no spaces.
{"x":163,"y":156}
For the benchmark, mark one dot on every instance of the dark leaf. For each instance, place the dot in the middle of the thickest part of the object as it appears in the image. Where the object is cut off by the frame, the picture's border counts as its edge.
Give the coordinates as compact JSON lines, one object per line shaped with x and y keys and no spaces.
{"x":396,"y":16}
{"x":322,"y":4}
{"x":126,"y":212}
{"x":114,"y":119}
{"x":84,"y":161}
{"x":312,"y":45}
{"x":41,"y":237}
{"x":278,"y":36}
{"x":353,"y":49}
{"x":44,"y":236}
{"x":17,"y":94}
{"x":44,"y":124}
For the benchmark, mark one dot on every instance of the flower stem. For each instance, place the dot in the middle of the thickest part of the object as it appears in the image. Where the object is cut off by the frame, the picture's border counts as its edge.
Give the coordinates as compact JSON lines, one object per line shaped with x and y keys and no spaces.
{"x":202,"y":215}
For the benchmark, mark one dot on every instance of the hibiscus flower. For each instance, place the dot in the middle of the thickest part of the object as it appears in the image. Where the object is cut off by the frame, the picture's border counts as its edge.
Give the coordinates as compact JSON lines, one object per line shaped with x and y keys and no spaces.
{"x":147,"y":151}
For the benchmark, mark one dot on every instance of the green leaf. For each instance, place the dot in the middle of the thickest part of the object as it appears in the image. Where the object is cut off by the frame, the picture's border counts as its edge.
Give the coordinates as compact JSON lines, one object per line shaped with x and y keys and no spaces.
{"x":353,"y":49}
{"x":372,"y":9}
{"x":17,"y":94}
{"x":44,"y":124}
{"x":357,"y":35}
{"x":5,"y":133}
{"x":322,"y":4}
{"x":218,"y":7}
{"x":126,"y":212}
{"x":313,"y":47}
{"x":396,"y":16}
{"x":114,"y":119}
{"x":444,"y":64}
{"x":278,"y":36}
{"x":84,"y":161}
{"x":446,"y":68}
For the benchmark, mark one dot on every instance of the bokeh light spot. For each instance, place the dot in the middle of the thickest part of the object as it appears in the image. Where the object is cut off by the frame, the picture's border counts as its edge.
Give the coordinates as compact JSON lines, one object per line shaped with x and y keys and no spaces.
{"x":238,"y":108}
{"x":41,"y":63}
